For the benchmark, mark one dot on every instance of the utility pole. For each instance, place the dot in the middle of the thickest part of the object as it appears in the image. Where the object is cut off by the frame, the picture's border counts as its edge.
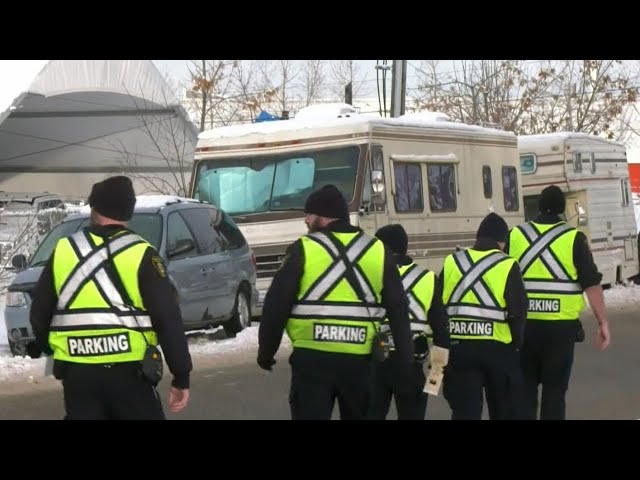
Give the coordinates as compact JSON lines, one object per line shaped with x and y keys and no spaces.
{"x":348,"y":93}
{"x":398,"y":87}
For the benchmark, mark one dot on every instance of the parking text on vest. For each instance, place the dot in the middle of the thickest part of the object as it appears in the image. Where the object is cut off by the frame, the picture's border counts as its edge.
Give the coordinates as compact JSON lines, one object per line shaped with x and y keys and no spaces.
{"x":547,"y":305}
{"x":98,"y":345}
{"x":323,"y":332}
{"x":471,"y":328}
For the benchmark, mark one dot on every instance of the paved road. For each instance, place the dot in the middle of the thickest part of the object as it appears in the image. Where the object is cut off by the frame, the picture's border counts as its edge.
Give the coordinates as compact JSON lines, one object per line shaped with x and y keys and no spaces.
{"x":604,"y":385}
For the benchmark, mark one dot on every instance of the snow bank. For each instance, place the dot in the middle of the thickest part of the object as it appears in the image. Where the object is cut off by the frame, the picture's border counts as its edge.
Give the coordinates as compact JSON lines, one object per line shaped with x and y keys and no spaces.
{"x":202,"y":343}
{"x":622,"y":295}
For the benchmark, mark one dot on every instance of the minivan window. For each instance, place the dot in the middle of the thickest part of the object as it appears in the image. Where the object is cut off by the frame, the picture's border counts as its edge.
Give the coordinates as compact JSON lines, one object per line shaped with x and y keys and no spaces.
{"x":202,"y":222}
{"x":45,"y":249}
{"x":231,"y":233}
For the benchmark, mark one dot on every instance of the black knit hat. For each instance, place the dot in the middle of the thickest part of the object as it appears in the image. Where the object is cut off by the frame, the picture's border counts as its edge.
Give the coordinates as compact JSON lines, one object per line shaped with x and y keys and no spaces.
{"x":552,"y":200}
{"x":494,"y":227}
{"x":327,"y":202}
{"x":113,"y":198}
{"x":394,"y":237}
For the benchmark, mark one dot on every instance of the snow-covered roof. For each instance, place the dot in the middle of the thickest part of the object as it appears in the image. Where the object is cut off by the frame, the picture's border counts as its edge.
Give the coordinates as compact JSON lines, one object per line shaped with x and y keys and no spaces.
{"x":95,"y":117}
{"x":158,"y":201}
{"x":146,"y":202}
{"x":128,"y":77}
{"x":547,"y":138}
{"x":324,"y":119}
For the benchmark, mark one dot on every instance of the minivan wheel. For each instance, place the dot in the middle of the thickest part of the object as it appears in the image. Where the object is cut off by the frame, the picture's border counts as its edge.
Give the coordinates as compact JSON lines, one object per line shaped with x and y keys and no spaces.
{"x":241,"y":318}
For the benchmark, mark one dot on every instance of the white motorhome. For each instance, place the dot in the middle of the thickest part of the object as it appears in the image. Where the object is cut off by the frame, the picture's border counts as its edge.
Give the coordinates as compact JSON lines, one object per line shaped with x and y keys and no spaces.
{"x":593,"y":173}
{"x":435,"y":177}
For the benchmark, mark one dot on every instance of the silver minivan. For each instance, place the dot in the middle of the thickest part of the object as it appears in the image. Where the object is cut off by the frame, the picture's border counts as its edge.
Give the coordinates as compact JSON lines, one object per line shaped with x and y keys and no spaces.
{"x":208,"y":262}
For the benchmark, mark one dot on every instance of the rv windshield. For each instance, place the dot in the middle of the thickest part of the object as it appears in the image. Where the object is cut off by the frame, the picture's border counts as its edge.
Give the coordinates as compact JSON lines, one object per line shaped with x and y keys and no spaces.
{"x":267,"y":183}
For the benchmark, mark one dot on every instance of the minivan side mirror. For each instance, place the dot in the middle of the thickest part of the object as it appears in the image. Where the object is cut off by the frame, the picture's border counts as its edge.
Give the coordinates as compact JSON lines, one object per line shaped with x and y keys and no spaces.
{"x":19,"y":261}
{"x":182,"y":246}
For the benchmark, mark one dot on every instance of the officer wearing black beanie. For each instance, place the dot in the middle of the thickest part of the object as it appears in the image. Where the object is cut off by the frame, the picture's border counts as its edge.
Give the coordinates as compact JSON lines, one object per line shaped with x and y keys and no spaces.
{"x":484,"y":296}
{"x":328,"y":294}
{"x":564,"y":266}
{"x":101,"y":377}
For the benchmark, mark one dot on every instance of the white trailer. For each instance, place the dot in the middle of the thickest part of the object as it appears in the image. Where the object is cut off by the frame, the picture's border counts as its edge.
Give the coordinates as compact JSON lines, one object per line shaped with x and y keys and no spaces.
{"x":593,"y":173}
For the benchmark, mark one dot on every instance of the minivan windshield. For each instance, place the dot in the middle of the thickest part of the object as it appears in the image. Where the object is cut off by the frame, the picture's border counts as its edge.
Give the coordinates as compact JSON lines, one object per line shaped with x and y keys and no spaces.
{"x":147,"y":225}
{"x":267,"y":183}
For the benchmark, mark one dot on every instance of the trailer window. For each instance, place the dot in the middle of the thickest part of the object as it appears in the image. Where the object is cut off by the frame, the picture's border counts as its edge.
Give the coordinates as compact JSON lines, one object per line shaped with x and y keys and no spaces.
{"x":577,"y":163}
{"x":442,"y":188}
{"x":624,"y":186}
{"x":593,"y":162}
{"x":510,"y":189}
{"x":408,"y":182}
{"x":487,"y":185}
{"x":528,"y":164}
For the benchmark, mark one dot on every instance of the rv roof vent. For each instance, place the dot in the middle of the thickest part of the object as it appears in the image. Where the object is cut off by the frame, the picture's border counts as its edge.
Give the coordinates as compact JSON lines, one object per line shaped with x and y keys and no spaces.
{"x":327,"y":110}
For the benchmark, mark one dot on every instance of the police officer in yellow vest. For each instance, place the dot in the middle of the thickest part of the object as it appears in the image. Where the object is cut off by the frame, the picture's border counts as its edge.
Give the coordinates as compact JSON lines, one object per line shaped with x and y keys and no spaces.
{"x":428,"y":324}
{"x":558,"y":267}
{"x":485,"y":301}
{"x":331,"y":294}
{"x":101,"y":300}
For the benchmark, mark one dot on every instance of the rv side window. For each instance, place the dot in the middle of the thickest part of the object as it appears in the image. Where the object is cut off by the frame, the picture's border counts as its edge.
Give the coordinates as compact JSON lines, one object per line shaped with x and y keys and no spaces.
{"x":442,"y":188}
{"x":486,"y":181}
{"x":624,"y":185}
{"x":577,"y":162}
{"x":528,"y":163}
{"x":408,"y":180}
{"x":510,"y":188}
{"x":593,"y":162}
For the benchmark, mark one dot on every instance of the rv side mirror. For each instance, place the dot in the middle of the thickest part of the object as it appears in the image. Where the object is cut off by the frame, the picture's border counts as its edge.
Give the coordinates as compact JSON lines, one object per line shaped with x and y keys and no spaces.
{"x":19,"y":261}
{"x":377,"y":182}
{"x":583,"y":220}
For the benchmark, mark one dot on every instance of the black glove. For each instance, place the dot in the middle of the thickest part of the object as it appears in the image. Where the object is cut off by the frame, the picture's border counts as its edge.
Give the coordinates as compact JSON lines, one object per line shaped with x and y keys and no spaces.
{"x":266,"y":364}
{"x":33,"y":350}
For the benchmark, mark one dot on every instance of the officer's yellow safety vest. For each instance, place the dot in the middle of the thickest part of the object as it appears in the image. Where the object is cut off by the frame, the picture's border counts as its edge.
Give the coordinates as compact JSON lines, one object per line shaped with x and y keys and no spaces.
{"x":473,"y":294}
{"x":328,"y":314}
{"x":419,"y":286}
{"x":545,"y":255}
{"x":93,"y":323}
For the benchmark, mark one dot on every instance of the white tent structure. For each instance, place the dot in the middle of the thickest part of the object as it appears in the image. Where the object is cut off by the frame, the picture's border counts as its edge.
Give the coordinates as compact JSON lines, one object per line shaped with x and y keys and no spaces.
{"x":83,"y":120}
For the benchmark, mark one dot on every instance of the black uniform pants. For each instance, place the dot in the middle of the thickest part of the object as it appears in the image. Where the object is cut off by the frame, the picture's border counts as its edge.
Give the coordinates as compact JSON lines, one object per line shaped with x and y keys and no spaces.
{"x":547,"y":359}
{"x":97,"y":392}
{"x":411,"y":403}
{"x":318,"y":379}
{"x":482,"y":366}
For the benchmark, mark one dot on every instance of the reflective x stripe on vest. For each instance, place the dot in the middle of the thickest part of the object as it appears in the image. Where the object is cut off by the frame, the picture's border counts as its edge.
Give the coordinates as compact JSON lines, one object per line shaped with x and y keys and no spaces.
{"x":328,"y":314}
{"x":552,"y":287}
{"x":105,"y":333}
{"x":418,"y":284}
{"x":475,"y":309}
